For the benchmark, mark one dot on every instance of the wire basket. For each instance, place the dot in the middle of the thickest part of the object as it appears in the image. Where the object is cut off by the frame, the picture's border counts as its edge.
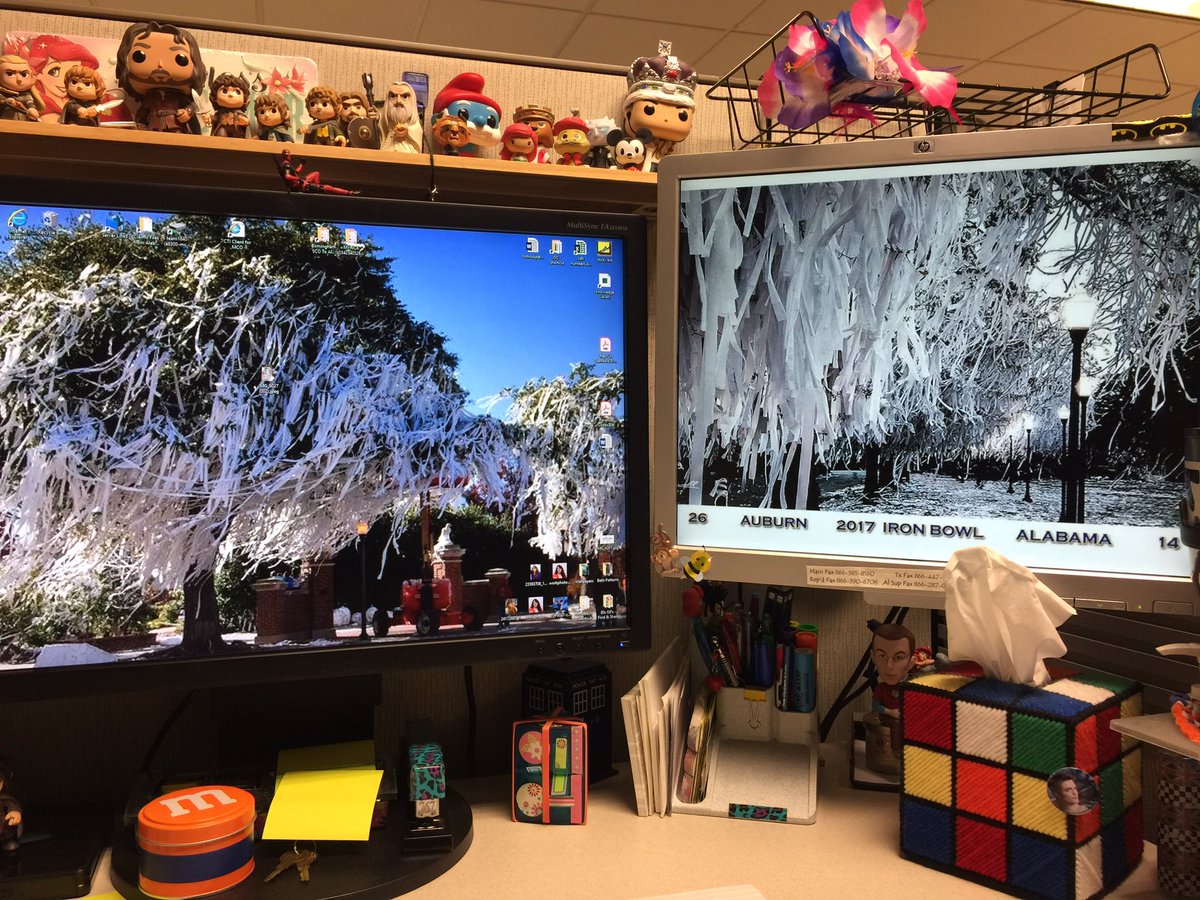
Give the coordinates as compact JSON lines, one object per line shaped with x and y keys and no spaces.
{"x":1101,"y":92}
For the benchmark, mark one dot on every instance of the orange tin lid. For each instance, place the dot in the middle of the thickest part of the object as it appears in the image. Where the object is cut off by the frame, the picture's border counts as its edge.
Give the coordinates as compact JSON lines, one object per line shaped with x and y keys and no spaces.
{"x":195,"y":815}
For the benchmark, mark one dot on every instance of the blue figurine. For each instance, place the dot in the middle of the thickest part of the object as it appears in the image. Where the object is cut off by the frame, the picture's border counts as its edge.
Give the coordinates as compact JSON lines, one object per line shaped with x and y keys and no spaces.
{"x":462,"y":98}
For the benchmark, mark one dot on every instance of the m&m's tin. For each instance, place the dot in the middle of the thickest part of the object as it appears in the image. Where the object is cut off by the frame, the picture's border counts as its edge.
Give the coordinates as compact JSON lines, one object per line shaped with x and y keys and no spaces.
{"x":195,"y":842}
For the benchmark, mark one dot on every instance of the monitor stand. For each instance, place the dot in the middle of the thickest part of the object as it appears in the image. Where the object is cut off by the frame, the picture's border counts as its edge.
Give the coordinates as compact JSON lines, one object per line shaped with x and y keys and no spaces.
{"x":251,"y":724}
{"x":378,"y":869}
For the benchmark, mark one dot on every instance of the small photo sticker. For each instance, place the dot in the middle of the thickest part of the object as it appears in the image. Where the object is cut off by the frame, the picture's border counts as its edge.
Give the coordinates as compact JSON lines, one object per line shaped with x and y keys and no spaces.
{"x":1072,"y":791}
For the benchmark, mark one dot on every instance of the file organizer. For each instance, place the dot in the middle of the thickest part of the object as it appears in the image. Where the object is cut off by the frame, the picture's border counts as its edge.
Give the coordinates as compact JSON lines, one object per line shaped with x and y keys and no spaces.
{"x":762,"y":761}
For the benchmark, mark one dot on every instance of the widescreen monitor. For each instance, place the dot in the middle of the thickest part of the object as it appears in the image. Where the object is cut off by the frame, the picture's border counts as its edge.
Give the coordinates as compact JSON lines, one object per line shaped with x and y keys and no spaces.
{"x":872,"y":354}
{"x":252,"y":436}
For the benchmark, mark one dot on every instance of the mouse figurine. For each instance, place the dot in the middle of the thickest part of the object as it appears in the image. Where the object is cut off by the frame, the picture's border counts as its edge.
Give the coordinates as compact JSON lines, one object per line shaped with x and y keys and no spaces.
{"x":629,"y":152}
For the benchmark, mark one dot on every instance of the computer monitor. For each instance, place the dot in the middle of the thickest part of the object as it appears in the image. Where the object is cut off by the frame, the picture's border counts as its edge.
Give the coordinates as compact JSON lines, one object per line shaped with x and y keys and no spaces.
{"x":229,"y":421}
{"x":871,"y":354}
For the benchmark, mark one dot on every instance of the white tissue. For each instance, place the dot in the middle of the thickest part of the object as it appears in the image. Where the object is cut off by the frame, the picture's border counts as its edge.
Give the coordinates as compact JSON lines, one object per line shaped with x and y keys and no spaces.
{"x":999,"y":615}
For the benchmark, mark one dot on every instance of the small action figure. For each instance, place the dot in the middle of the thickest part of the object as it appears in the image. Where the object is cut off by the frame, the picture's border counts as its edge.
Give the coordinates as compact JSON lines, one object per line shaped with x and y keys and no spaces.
{"x":10,"y":813}
{"x":85,"y":87}
{"x":570,"y":141}
{"x":520,"y":143}
{"x":359,"y":119}
{"x":892,"y":650}
{"x":541,"y":120}
{"x":160,"y":66}
{"x":18,"y":99}
{"x":450,"y":135}
{"x":598,"y":131}
{"x":629,"y":152}
{"x":400,"y":122}
{"x":230,"y":95}
{"x":480,"y":114}
{"x":326,"y":130}
{"x":292,"y":172}
{"x":274,"y":119}
{"x":660,"y":99}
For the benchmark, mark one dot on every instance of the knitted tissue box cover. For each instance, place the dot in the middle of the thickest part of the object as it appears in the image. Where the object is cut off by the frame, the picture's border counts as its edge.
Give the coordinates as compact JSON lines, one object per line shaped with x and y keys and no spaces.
{"x":973,"y":798}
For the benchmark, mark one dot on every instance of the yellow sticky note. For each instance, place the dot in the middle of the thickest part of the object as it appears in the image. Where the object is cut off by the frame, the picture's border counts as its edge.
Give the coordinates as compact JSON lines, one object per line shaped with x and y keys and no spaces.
{"x":327,"y":756}
{"x":326,"y":805}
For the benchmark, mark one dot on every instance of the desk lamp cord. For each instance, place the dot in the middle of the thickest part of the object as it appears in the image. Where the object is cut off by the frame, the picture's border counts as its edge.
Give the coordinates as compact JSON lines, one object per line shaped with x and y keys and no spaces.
{"x":156,"y":744}
{"x":469,"y":679}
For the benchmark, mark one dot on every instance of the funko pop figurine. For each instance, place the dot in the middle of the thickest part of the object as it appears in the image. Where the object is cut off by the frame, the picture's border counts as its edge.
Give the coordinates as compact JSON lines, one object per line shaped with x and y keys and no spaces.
{"x":598,"y":131}
{"x":18,"y":99}
{"x":450,"y":135}
{"x":359,"y":119}
{"x":892,"y":650}
{"x":230,"y":95}
{"x":400,"y":121}
{"x":541,"y":120}
{"x":160,"y":66}
{"x":520,"y":143}
{"x":629,"y":152}
{"x":10,"y":813}
{"x":274,"y":119}
{"x":85,"y":87}
{"x":462,"y":97}
{"x":326,"y":129}
{"x":570,"y":141}
{"x":660,"y":99}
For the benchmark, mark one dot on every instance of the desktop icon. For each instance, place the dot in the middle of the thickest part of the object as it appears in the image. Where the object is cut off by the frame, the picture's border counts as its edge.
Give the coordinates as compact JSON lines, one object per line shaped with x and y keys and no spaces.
{"x":556,"y":247}
{"x":606,"y":440}
{"x":581,"y":248}
{"x":606,"y":345}
{"x":604,"y":248}
{"x":322,"y":234}
{"x":114,"y":220}
{"x":17,"y":218}
{"x":236,"y":229}
{"x":351,"y":237}
{"x":604,"y":281}
{"x":606,"y":409}
{"x":145,"y":225}
{"x":606,"y":600}
{"x":531,"y":245}
{"x":175,"y":228}
{"x":50,"y":219}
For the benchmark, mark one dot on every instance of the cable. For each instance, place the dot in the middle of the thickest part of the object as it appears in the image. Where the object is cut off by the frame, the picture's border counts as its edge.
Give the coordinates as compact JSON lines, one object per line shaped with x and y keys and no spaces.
{"x":472,"y":720}
{"x":166,"y":728}
{"x":432,"y":198}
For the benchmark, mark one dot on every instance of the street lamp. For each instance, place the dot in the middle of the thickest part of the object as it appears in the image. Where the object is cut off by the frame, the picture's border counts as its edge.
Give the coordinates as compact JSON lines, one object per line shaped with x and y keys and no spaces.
{"x":1077,"y":313}
{"x":361,"y":529}
{"x":1064,"y":413}
{"x":1029,"y":423}
{"x":1010,"y":465}
{"x":1083,"y":387}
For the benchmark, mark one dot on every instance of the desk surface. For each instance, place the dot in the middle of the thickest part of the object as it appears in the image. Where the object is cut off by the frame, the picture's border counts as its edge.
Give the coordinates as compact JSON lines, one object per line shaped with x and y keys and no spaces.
{"x":621,"y":856}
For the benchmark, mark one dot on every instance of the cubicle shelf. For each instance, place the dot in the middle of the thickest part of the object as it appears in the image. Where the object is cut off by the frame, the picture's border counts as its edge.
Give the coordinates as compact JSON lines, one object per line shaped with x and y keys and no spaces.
{"x":33,"y":150}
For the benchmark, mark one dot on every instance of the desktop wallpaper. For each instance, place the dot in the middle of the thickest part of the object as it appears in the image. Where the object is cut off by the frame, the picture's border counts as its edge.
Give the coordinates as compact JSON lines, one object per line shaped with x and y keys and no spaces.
{"x":198,"y":409}
{"x":885,"y":350}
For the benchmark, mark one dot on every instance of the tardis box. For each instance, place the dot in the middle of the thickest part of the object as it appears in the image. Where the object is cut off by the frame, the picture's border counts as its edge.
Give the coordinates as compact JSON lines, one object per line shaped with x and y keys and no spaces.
{"x":550,"y":771}
{"x":975,"y":800}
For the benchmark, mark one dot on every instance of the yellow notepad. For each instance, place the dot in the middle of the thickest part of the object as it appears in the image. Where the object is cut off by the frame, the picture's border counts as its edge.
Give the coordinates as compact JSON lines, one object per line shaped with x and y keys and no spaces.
{"x":324,"y":805}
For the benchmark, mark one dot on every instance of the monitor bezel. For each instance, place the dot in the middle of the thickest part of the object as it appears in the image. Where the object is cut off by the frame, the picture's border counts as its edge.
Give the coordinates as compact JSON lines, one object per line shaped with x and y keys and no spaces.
{"x":761,"y":567}
{"x":31,"y":683}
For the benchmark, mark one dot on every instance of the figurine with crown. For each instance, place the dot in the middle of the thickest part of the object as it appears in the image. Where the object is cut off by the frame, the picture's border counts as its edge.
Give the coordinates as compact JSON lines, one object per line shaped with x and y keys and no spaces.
{"x":660,"y":99}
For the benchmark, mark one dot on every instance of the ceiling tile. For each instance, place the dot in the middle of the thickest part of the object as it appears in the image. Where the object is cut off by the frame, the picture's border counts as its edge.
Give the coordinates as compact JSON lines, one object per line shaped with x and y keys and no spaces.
{"x":707,"y":13}
{"x":396,"y":20}
{"x":579,"y":5}
{"x":608,"y":39}
{"x":728,"y":53}
{"x":982,"y":28}
{"x":1182,"y":59}
{"x":1094,"y":35}
{"x":501,"y":27}
{"x":218,"y":10}
{"x":772,"y":15}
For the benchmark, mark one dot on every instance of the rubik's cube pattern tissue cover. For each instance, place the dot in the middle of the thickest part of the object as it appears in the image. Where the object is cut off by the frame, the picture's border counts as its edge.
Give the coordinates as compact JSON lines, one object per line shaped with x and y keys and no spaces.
{"x":974,"y":800}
